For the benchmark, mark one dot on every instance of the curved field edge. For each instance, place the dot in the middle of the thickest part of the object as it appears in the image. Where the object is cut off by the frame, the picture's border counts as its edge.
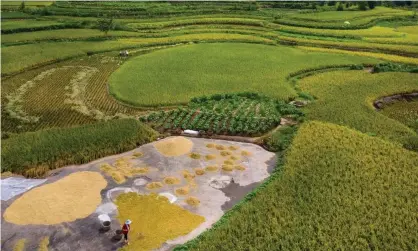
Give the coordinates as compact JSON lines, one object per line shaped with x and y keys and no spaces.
{"x":34,"y":153}
{"x":350,"y":96}
{"x":45,"y":52}
{"x":175,"y":75}
{"x":331,"y":178}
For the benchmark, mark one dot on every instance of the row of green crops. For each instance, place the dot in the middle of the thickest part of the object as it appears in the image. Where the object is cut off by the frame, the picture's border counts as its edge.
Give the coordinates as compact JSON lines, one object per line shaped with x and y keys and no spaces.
{"x":232,"y":114}
{"x":332,"y":16}
{"x":403,"y":50}
{"x":346,"y":97}
{"x":387,"y":57}
{"x":10,"y":27}
{"x":199,"y":21}
{"x":338,"y":190}
{"x":338,"y":19}
{"x":53,"y":148}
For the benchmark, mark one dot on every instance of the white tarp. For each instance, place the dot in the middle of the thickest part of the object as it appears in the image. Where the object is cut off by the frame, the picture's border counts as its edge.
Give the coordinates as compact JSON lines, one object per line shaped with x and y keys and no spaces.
{"x":169,"y":196}
{"x":191,"y":132}
{"x":13,"y":186}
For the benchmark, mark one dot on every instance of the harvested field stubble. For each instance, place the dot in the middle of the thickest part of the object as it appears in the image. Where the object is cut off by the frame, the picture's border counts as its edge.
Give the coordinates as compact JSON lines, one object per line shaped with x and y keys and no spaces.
{"x":73,"y":197}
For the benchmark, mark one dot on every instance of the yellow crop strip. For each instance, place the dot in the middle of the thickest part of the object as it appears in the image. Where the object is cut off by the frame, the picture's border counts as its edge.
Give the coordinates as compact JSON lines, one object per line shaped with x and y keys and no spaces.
{"x":389,"y":57}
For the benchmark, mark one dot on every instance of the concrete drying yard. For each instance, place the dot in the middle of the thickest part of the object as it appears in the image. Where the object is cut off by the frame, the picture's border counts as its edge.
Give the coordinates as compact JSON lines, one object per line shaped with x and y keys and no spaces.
{"x":204,"y":177}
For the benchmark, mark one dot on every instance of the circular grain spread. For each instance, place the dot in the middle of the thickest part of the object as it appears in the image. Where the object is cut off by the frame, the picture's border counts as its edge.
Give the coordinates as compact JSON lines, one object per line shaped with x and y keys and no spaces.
{"x":73,"y":197}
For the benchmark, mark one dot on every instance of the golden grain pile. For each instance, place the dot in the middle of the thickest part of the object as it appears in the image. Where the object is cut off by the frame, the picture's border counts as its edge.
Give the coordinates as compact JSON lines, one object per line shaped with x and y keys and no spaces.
{"x":171,"y":180}
{"x":210,"y":157}
{"x":182,"y":191}
{"x":175,"y":146}
{"x":193,"y":201}
{"x":122,"y":169}
{"x":73,"y":197}
{"x":154,"y":185}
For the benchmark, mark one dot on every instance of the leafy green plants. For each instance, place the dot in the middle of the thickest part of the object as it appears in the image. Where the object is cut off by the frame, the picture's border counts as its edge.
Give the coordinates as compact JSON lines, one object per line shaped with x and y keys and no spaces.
{"x":233,"y":114}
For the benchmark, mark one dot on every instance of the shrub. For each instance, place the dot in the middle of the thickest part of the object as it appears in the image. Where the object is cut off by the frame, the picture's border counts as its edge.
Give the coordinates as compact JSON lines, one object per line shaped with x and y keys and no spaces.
{"x":392,"y":67}
{"x":280,"y":139}
{"x":411,"y":143}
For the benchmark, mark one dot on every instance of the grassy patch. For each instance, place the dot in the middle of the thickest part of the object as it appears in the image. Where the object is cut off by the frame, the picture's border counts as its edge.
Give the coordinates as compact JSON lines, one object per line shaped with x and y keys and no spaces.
{"x":280,"y":139}
{"x":206,"y":69}
{"x":335,"y":181}
{"x":59,"y":147}
{"x":346,"y":97}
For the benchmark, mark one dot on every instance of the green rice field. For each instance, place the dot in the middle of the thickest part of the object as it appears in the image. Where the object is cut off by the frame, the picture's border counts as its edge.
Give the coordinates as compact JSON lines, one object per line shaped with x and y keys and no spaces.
{"x":328,"y":90}
{"x":175,"y":75}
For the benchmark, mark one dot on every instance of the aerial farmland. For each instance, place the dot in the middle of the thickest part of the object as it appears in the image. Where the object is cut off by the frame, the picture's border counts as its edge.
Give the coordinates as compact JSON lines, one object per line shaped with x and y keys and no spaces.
{"x":207,"y":125}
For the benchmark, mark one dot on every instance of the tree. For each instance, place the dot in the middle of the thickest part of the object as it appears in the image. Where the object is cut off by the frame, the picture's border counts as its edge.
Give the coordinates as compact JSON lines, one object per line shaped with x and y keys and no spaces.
{"x":347,"y":5}
{"x":331,"y":3}
{"x":371,"y":4}
{"x":340,"y":7}
{"x":105,"y":25}
{"x":362,"y":5}
{"x":22,"y":6}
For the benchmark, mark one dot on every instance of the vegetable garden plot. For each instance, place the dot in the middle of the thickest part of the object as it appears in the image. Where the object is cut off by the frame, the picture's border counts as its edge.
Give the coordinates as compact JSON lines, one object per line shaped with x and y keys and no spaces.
{"x":234,"y":114}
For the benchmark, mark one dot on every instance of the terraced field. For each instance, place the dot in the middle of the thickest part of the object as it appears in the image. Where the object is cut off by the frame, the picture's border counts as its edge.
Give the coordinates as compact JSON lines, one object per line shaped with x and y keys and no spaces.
{"x":300,"y":79}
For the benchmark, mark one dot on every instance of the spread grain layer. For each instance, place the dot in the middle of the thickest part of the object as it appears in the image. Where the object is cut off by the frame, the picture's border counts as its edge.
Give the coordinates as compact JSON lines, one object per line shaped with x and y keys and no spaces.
{"x":73,"y":197}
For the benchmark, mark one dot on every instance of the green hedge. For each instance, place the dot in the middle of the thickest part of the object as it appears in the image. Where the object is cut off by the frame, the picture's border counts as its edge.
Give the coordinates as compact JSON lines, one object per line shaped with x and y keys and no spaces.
{"x":49,"y":27}
{"x":57,"y":147}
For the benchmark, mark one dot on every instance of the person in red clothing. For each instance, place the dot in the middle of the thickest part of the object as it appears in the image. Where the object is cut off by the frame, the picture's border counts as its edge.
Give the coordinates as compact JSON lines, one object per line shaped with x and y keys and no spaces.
{"x":125,"y":230}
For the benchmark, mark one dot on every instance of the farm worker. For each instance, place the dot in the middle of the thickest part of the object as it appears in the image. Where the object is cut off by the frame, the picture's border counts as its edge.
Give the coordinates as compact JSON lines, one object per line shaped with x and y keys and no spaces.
{"x":125,"y":230}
